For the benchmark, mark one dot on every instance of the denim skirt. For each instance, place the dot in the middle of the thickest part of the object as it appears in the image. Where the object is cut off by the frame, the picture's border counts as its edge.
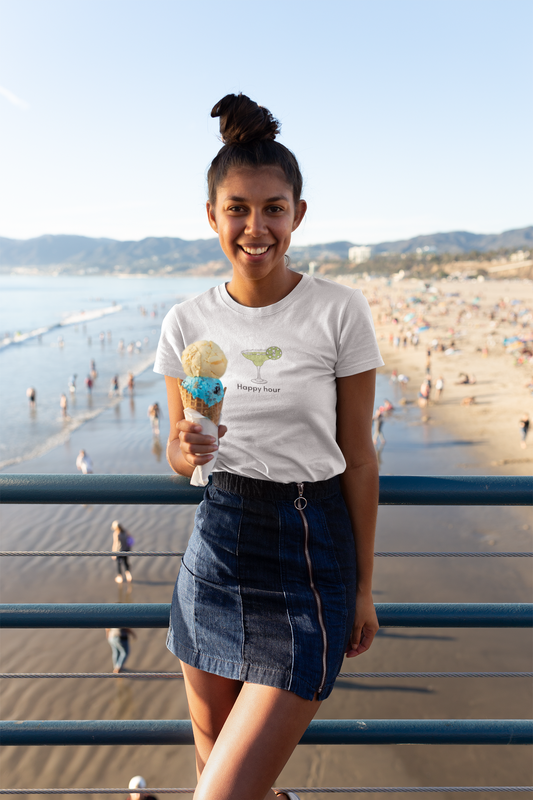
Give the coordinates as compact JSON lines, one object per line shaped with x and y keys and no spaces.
{"x":266,"y":589}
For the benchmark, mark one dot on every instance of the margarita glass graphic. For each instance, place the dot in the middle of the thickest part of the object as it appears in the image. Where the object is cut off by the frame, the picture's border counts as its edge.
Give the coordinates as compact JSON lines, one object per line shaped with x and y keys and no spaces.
{"x":258,"y":357}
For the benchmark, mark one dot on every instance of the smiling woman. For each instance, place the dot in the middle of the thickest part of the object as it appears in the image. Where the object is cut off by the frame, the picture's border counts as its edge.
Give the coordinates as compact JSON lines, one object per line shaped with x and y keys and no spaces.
{"x":275,"y":586}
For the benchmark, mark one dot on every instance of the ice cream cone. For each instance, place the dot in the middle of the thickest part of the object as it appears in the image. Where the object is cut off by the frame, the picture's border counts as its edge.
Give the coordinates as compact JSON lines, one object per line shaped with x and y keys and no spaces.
{"x":211,"y":412}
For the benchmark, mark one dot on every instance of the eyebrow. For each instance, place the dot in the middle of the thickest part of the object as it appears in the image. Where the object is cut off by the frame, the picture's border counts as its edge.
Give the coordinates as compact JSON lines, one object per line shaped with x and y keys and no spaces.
{"x":235,"y":199}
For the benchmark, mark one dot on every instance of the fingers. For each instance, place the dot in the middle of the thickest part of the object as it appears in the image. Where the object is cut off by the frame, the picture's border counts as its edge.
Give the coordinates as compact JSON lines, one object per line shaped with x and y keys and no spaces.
{"x":195,"y":446}
{"x":361,"y":639}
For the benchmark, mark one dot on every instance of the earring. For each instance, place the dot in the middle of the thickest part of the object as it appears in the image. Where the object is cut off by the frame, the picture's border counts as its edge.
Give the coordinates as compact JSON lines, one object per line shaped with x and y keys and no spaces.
{"x":287,"y":260}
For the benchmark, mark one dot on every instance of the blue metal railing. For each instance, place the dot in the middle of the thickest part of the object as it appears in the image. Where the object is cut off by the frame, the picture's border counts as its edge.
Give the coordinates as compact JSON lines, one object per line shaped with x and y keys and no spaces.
{"x":156,"y":615}
{"x":424,"y":490}
{"x":158,"y":490}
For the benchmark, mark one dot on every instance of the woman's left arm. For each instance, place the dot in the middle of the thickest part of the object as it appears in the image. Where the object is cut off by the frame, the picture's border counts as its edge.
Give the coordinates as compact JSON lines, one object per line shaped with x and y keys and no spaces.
{"x":360,"y":489}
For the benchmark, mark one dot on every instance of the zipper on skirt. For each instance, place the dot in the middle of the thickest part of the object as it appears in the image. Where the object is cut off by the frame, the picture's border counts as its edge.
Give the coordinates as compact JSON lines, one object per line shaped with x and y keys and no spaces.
{"x":300,"y":504}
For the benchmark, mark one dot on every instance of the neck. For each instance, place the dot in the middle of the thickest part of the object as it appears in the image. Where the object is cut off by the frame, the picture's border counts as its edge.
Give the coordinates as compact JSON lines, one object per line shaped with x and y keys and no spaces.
{"x":265,"y":291}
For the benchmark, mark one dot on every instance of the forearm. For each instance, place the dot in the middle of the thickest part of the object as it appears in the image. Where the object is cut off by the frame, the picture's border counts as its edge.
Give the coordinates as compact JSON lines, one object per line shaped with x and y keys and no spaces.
{"x":360,"y":489}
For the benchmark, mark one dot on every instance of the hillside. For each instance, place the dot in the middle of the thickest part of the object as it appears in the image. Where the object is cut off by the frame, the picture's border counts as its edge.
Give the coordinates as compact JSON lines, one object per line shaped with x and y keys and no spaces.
{"x":169,"y":255}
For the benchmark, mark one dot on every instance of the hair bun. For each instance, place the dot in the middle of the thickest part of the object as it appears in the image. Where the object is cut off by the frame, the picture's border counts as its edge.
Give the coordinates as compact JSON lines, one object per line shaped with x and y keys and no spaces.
{"x":243,"y":121}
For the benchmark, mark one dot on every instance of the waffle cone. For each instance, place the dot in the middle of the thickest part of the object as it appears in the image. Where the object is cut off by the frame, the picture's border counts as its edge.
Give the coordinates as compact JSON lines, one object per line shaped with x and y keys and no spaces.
{"x":211,"y":412}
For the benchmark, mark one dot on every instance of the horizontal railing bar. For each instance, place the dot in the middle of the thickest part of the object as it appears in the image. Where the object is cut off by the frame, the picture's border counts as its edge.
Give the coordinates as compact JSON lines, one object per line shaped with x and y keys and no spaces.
{"x":156,"y":615}
{"x":466,"y":490}
{"x":298,"y":789}
{"x":348,"y":731}
{"x":379,"y":554}
{"x":341,"y":675}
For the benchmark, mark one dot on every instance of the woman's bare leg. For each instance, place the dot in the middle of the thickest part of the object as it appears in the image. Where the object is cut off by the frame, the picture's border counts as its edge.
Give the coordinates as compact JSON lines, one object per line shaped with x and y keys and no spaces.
{"x":244,"y":734}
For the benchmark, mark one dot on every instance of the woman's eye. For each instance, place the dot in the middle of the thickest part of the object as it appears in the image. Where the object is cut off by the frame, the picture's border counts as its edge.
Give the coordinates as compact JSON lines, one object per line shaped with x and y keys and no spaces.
{"x":236,"y":208}
{"x":275,"y":209}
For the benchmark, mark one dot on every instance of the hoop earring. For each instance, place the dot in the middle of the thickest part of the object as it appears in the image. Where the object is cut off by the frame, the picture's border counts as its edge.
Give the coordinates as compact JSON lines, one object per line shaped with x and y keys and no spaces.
{"x":287,"y":260}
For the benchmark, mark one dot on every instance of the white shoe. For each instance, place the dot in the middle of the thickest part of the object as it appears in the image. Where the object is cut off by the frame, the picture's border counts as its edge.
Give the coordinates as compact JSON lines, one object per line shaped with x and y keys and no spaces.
{"x":118,"y":579}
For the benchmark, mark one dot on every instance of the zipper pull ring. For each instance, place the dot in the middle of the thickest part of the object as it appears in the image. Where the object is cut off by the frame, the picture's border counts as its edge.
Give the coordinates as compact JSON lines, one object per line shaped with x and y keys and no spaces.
{"x":300,"y":503}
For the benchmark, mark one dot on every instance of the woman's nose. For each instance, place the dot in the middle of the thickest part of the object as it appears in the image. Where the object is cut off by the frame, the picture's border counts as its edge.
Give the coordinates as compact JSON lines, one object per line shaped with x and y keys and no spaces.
{"x":255,"y":224}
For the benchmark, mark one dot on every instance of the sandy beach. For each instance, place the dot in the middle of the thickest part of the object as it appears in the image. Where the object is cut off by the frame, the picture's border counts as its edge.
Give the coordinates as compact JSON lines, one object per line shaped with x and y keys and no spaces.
{"x":470,"y":328}
{"x":454,"y":440}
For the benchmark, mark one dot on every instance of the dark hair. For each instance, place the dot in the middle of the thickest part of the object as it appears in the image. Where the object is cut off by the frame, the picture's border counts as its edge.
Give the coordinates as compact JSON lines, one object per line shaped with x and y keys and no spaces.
{"x":248,"y":132}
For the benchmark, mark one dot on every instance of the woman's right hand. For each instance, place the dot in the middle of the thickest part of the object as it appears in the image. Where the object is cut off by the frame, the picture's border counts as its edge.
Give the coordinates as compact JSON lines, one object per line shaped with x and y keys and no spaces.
{"x":196,"y":447}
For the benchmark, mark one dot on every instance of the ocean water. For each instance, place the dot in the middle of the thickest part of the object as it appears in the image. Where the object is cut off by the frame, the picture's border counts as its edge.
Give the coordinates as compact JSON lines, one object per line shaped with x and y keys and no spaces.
{"x":52,"y":328}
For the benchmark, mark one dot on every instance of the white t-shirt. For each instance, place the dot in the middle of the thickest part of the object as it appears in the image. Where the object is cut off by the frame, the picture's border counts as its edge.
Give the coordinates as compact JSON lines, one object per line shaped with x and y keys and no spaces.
{"x":283,"y":359}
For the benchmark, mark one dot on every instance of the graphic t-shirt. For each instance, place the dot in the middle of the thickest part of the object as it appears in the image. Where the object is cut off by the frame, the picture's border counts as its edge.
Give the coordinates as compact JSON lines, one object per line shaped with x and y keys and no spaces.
{"x":283,"y":359}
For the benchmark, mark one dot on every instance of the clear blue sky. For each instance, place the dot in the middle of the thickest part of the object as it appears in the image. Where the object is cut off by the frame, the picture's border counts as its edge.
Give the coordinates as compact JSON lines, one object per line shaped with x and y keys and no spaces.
{"x":408,"y":116}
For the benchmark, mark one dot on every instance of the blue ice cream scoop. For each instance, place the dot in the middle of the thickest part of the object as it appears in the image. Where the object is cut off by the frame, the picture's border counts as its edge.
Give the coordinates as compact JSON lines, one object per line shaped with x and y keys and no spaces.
{"x":209,"y":390}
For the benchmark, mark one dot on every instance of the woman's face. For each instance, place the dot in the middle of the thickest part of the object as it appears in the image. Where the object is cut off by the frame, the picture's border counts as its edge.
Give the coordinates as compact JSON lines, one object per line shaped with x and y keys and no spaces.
{"x":254,"y":216}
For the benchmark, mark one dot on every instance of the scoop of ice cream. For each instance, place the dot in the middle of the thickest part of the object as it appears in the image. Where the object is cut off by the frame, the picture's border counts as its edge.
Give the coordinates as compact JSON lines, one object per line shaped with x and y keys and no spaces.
{"x":210,"y":390}
{"x":204,"y":359}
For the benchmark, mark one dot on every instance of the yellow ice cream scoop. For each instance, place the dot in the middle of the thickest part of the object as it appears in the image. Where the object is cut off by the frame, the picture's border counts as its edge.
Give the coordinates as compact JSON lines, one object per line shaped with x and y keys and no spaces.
{"x":204,"y":359}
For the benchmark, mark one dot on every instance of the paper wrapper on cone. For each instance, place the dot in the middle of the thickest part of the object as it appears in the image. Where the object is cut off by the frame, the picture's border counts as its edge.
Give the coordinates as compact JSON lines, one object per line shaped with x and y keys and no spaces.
{"x":194,"y":412}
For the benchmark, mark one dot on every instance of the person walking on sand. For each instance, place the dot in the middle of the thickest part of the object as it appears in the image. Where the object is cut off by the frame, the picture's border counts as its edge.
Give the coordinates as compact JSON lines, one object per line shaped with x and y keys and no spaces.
{"x":84,"y":463}
{"x":63,"y":404}
{"x":118,"y":639}
{"x":439,"y":386}
{"x":378,"y":429}
{"x":131,"y":382}
{"x":31,"y":394}
{"x":154,"y":412}
{"x":138,"y":782}
{"x":275,"y":585}
{"x":524,"y":429}
{"x":122,"y":543}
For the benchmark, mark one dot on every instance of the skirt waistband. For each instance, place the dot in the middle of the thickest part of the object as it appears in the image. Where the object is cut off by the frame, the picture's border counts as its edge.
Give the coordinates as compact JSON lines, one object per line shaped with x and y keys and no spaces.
{"x":256,"y":489}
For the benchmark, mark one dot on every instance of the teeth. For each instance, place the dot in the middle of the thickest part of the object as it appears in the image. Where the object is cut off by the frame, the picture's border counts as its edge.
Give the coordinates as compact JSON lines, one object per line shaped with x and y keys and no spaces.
{"x":255,"y":251}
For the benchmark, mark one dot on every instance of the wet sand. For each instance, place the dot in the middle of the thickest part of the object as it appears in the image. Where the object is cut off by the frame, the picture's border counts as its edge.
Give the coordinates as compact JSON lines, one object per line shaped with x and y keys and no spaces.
{"x":120,"y":441}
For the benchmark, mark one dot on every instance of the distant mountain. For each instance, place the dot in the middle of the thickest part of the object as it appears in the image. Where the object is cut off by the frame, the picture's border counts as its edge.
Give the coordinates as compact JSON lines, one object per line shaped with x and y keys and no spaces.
{"x":77,"y":253}
{"x":461,"y":242}
{"x":109,"y":254}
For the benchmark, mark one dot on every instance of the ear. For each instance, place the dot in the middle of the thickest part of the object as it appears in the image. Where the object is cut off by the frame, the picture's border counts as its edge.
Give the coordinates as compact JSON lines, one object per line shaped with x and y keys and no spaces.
{"x":301,"y":208}
{"x":211,"y":216}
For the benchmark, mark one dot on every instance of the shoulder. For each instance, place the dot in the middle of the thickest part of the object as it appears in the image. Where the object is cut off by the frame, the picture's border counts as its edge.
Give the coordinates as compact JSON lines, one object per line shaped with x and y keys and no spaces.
{"x":207,"y":299}
{"x":339,"y":294}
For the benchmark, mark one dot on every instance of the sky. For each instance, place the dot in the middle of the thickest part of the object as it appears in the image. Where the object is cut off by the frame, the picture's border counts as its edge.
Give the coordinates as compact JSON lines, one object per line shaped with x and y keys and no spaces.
{"x":407,"y":116}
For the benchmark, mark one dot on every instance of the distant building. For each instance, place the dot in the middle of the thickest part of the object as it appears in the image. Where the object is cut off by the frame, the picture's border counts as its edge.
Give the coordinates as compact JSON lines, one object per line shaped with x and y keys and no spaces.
{"x":359,"y":253}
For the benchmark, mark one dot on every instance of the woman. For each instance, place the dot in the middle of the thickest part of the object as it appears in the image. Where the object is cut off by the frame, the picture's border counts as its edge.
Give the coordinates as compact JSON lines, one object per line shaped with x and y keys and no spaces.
{"x":118,"y":639}
{"x":266,"y":602}
{"x":121,"y":544}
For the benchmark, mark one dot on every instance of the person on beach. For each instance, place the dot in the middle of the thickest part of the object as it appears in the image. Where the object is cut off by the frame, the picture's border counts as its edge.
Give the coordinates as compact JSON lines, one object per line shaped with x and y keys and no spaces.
{"x":439,"y":386}
{"x":378,"y":429}
{"x":154,"y":413}
{"x":31,"y":394}
{"x":63,"y":405}
{"x":138,"y":782}
{"x":524,"y":429}
{"x":84,"y":463}
{"x":122,"y":543}
{"x":89,"y":383}
{"x":131,"y":382}
{"x":118,"y":639}
{"x":275,"y":585}
{"x":115,"y":390}
{"x":72,"y":384}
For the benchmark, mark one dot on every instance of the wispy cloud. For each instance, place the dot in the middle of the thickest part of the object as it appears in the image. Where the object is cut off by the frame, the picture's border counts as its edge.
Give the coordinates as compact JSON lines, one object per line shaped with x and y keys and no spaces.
{"x":16,"y":101}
